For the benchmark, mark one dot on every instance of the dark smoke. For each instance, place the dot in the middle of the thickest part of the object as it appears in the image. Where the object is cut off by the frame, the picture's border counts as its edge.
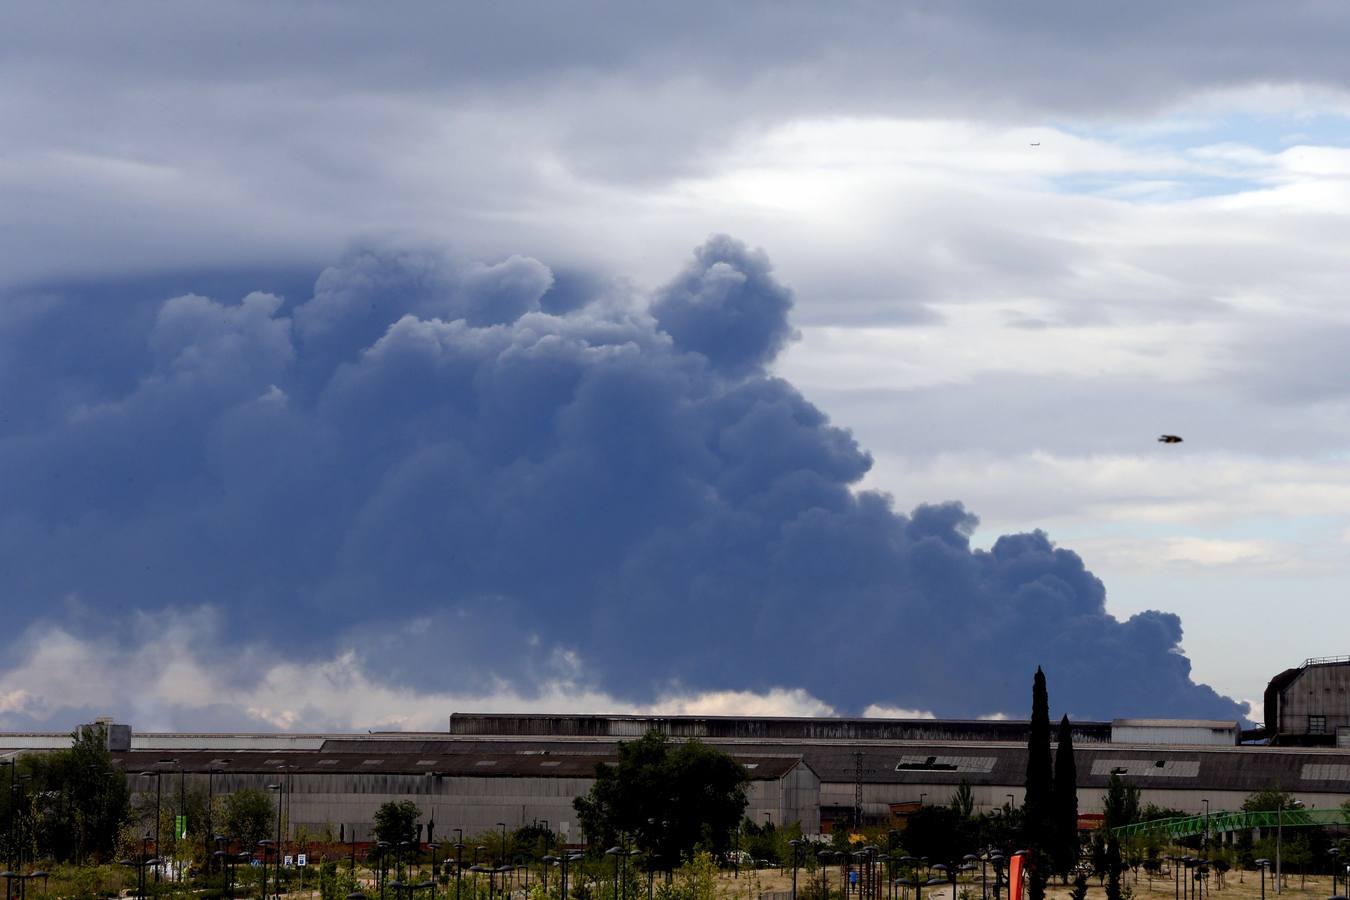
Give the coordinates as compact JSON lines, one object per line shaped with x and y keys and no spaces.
{"x":462,"y":471}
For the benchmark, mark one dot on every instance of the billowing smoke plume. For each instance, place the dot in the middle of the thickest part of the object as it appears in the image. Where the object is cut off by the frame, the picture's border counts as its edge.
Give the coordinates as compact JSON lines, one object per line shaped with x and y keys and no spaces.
{"x":466,"y":474}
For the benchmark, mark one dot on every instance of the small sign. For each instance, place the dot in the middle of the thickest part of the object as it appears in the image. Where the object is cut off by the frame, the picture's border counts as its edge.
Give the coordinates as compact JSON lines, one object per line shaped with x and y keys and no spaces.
{"x":290,"y":860}
{"x":300,"y":860}
{"x":255,"y":863}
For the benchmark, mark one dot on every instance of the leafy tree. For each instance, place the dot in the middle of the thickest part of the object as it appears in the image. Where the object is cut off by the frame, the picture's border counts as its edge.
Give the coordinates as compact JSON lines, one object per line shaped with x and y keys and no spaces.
{"x":1120,"y":805}
{"x":396,"y":822}
{"x":1152,"y":811}
{"x":943,"y":836}
{"x":963,"y":800}
{"x":71,"y":803}
{"x":249,"y":814}
{"x":1065,"y":792}
{"x":769,"y":841}
{"x":1268,"y":800}
{"x":667,"y":799}
{"x":1038,"y":823}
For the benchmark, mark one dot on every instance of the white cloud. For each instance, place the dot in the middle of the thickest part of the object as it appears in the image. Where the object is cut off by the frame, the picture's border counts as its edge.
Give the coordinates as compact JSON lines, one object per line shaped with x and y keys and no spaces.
{"x":165,"y":683}
{"x":874,"y":711}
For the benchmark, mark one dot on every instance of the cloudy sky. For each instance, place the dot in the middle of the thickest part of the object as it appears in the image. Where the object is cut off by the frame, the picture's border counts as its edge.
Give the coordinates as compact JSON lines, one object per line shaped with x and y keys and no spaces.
{"x":360,"y":366}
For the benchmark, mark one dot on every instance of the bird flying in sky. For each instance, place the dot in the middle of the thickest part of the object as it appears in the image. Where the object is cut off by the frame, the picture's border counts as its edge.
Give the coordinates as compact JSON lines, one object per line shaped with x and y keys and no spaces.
{"x":1169,"y":439}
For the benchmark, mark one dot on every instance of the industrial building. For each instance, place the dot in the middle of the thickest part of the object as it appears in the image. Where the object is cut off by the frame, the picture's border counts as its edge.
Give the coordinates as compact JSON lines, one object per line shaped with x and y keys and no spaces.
{"x":821,"y":772}
{"x":1309,"y":705}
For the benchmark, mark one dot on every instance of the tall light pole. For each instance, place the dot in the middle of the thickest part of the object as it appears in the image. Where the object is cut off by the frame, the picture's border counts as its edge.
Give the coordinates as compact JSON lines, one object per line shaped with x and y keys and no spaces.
{"x":459,"y":859}
{"x":211,"y":774}
{"x":795,"y":844}
{"x":276,"y":887}
{"x":181,"y":817}
{"x":1205,"y":842}
{"x":155,"y":774}
{"x":1279,"y":837}
{"x":10,"y":829}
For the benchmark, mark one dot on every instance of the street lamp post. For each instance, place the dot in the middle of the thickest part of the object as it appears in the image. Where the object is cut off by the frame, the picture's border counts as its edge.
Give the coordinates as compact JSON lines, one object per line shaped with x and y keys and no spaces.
{"x":795,"y":844}
{"x":459,"y":860}
{"x":433,"y":847}
{"x":10,"y":764}
{"x":156,"y":775}
{"x":1263,"y":865}
{"x":264,"y":845}
{"x":180,"y":816}
{"x":1175,"y":861}
{"x":616,"y":851}
{"x":998,"y":859}
{"x":210,"y":803}
{"x":1333,"y":853}
{"x":277,"y":886}
{"x":1279,"y":836}
{"x":478,"y":870}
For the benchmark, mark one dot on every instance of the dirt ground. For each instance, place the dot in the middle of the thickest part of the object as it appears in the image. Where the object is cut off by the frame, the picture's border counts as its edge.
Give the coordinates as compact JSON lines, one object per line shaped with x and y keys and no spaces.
{"x":1236,"y":886}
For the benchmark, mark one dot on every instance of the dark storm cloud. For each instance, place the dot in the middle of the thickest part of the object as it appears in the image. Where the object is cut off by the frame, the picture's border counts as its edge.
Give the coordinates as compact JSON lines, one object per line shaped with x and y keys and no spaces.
{"x":422,"y":461}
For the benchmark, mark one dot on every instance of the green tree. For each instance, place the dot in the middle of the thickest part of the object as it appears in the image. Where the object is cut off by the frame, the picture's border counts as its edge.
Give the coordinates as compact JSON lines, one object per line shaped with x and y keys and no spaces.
{"x":249,"y":816}
{"x":1268,"y":800}
{"x":71,"y":803}
{"x":1065,"y":853}
{"x":963,"y":800}
{"x":1120,"y":804}
{"x":941,"y":834}
{"x":396,"y":822}
{"x":667,"y":799}
{"x":1038,"y":807}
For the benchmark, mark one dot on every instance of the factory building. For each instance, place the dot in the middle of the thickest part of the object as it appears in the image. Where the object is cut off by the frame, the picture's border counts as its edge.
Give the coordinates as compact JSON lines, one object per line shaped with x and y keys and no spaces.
{"x":823,"y":772}
{"x":1310,"y":705}
{"x":336,"y":789}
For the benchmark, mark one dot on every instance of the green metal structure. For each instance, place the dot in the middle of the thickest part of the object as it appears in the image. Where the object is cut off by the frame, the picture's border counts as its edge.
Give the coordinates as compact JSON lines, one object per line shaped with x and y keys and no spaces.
{"x":1219,"y":822}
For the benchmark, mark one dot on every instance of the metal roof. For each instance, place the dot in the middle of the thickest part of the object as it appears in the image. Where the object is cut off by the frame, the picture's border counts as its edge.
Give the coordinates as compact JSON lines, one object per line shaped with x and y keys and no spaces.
{"x":445,"y":763}
{"x":1226,"y":725}
{"x":1238,"y":768}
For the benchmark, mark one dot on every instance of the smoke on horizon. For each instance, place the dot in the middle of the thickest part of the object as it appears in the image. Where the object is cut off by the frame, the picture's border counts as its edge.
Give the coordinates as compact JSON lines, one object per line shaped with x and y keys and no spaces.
{"x":469,"y":475}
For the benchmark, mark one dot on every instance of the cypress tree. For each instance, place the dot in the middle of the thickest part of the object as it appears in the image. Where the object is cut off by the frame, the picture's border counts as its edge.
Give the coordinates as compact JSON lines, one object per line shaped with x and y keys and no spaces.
{"x":1066,"y":802}
{"x":1038,"y":807}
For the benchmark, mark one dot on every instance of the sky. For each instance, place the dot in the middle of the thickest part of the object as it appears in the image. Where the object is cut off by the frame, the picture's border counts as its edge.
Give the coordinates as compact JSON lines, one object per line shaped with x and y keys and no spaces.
{"x":361,"y":367}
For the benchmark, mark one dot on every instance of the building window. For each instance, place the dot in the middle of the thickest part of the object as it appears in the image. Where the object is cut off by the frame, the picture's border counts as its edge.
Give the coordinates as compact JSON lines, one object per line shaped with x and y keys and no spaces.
{"x":1317,"y":724}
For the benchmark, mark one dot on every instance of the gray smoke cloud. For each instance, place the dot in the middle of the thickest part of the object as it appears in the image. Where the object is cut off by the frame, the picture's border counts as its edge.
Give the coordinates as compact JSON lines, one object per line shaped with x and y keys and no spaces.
{"x":465,"y":470}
